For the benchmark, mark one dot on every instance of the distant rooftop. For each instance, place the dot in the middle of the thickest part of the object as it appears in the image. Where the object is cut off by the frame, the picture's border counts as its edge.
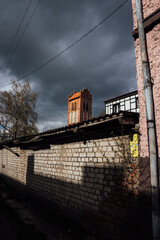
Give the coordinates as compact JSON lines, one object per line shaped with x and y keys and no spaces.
{"x":75,"y":94}
{"x":121,"y":96}
{"x":111,"y":121}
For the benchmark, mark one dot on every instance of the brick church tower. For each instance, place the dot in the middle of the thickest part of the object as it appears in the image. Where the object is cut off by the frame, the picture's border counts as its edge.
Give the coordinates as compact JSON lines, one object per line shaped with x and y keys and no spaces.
{"x":79,"y":106}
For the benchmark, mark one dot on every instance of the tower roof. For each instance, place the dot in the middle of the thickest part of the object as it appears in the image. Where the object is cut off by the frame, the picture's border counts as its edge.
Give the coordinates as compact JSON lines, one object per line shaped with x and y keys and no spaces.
{"x":75,"y":95}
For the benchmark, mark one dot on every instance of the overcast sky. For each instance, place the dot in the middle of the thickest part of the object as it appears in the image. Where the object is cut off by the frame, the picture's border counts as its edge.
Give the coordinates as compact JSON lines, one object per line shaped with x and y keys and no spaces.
{"x":103,"y":62}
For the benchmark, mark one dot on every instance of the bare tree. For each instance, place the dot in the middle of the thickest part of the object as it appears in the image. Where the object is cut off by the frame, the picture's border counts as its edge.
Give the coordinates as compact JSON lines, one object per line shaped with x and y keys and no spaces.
{"x":17,"y":110}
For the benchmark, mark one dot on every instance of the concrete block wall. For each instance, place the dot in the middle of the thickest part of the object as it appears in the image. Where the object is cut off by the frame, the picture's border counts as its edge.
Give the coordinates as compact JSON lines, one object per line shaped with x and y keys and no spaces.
{"x":77,"y":172}
{"x":80,"y":177}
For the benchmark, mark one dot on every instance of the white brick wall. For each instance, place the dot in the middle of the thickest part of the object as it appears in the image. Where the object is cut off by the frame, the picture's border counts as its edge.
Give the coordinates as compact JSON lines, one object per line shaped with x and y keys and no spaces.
{"x":71,"y":175}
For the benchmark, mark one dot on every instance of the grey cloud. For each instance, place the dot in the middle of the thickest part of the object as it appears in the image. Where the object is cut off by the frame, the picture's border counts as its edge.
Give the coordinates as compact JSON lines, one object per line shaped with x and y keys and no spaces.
{"x":103,"y":61}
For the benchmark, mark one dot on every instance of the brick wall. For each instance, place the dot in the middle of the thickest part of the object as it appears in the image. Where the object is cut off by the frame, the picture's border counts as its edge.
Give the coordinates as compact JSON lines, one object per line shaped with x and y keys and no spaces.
{"x":153,"y":43}
{"x":84,"y":178}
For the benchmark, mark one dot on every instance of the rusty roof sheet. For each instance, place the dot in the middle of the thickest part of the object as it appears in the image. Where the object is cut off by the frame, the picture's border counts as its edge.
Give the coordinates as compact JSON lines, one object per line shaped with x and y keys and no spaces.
{"x":75,"y":95}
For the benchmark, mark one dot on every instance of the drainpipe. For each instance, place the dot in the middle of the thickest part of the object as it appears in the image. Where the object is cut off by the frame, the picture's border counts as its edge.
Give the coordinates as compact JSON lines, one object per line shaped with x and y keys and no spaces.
{"x":150,"y":124}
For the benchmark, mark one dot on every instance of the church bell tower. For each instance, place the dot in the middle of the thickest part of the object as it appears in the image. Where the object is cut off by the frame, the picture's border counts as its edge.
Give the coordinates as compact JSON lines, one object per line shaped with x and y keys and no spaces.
{"x":79,"y":106}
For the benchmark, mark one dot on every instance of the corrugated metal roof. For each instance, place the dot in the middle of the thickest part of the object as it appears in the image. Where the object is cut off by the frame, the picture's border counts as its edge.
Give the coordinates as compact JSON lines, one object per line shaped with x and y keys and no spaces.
{"x":123,"y":118}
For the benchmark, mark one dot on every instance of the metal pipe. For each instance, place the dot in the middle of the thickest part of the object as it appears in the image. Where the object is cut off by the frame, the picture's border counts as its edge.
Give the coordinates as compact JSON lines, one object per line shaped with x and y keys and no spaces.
{"x":152,"y":143}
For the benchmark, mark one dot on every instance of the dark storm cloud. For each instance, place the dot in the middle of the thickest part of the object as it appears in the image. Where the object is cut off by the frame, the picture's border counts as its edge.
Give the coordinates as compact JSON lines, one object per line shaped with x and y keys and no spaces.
{"x":103,"y":61}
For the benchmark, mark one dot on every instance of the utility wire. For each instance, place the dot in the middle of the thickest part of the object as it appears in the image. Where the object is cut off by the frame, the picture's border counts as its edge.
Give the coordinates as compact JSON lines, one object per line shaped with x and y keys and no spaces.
{"x":10,"y":59}
{"x":71,"y":45}
{"x":15,"y":35}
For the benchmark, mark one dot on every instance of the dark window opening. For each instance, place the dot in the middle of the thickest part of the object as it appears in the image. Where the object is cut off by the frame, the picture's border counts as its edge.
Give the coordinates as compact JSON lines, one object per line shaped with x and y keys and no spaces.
{"x":72,"y":106}
{"x":116,"y":108}
{"x":137,"y":104}
{"x":84,"y":106}
{"x":87,"y":107}
{"x":84,"y":116}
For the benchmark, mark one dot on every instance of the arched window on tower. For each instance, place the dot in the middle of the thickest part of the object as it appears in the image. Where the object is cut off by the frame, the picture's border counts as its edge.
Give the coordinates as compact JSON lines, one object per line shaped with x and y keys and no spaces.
{"x":83,"y":105}
{"x":72,"y":106}
{"x":87,"y":107}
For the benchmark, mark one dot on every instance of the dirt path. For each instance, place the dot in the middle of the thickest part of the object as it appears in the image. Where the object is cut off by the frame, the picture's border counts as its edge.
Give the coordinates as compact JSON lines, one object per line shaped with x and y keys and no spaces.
{"x":12,"y":227}
{"x":20,"y":220}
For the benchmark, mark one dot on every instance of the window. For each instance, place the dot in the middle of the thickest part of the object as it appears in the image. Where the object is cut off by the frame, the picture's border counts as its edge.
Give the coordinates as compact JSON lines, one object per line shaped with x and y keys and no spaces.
{"x":87,"y":107}
{"x":116,"y":108}
{"x":70,"y":117}
{"x":84,"y":106}
{"x":73,"y":117}
{"x":74,"y":105}
{"x":127,"y":105}
{"x":84,"y":116}
{"x":77,"y":115}
{"x":137,"y":105}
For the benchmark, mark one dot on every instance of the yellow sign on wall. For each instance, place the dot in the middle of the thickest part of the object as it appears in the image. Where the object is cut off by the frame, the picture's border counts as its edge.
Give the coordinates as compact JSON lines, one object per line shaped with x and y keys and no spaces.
{"x":134,"y":145}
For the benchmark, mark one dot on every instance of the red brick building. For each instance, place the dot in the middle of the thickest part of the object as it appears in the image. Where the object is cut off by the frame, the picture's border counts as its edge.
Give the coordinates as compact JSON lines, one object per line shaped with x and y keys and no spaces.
{"x":151,"y":23}
{"x":151,"y":15}
{"x":79,"y":106}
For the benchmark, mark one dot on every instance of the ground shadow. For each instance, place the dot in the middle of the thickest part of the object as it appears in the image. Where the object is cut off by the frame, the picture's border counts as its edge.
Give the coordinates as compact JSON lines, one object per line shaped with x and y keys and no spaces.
{"x":99,"y":202}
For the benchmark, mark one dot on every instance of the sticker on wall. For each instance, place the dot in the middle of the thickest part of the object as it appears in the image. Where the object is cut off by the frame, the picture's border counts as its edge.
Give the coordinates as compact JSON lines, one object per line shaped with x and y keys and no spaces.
{"x":134,"y":145}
